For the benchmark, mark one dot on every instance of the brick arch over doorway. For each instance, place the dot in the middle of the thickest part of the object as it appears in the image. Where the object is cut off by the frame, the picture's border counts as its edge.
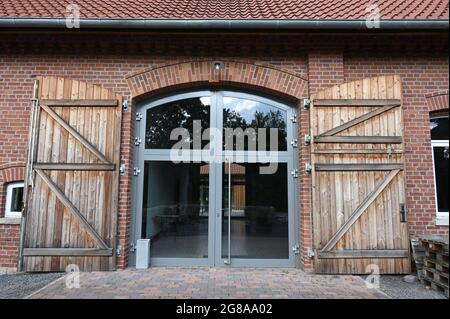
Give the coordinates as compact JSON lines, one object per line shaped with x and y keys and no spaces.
{"x":201,"y":73}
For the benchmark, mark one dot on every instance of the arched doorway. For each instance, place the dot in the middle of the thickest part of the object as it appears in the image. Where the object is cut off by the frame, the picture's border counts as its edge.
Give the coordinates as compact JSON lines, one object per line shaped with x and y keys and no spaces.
{"x":216,"y":180}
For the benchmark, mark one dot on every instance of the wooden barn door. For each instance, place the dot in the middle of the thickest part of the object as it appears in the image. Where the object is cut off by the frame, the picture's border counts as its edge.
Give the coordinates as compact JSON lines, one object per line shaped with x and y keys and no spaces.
{"x":72,"y":198}
{"x":359,"y":209}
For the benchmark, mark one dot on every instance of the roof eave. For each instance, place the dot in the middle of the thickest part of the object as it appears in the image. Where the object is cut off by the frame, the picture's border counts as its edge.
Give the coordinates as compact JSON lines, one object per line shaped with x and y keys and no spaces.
{"x":229,"y":24}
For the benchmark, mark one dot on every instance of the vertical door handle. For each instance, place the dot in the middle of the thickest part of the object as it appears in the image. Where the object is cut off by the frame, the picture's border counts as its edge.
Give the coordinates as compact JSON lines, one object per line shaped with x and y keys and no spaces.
{"x":228,"y":261}
{"x":402,"y":213}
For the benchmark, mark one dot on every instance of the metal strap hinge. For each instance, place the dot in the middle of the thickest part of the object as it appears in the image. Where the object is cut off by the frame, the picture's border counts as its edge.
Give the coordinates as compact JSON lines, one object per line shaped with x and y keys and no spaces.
{"x":308,"y":139}
{"x":306,"y":103}
{"x":308,"y":168}
{"x":137,"y":141}
{"x":119,"y":250}
{"x":139,"y":116}
{"x":294,"y":143}
{"x":403,"y":212}
{"x":294,"y":173}
{"x":296,"y":249}
{"x":122,"y":169}
{"x":294,"y":118}
{"x":136,"y":171}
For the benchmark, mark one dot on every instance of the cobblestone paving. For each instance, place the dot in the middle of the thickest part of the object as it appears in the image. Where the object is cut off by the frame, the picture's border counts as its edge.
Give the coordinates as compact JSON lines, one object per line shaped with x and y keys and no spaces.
{"x":203,"y":282}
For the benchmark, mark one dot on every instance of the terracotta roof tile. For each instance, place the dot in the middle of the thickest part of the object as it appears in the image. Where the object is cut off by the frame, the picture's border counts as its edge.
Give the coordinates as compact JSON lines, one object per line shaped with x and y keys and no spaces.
{"x":227,"y":9}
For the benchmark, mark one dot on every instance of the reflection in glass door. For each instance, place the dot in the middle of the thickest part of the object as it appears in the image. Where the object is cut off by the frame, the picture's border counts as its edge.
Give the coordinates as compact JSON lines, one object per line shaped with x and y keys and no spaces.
{"x":225,"y":209}
{"x":258,"y":224}
{"x":175,"y":209}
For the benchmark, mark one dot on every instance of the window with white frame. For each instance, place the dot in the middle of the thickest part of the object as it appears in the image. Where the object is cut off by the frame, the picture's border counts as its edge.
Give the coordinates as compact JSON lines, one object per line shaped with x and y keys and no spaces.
{"x":14,"y":200}
{"x":439,"y":126}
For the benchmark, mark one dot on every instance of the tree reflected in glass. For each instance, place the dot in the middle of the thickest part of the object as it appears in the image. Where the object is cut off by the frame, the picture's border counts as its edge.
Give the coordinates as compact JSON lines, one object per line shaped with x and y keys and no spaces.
{"x":247,"y":114}
{"x":162,"y":119}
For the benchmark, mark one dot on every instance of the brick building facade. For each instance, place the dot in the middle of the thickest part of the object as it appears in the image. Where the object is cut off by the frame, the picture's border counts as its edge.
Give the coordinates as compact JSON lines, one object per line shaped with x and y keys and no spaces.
{"x":288,"y":66}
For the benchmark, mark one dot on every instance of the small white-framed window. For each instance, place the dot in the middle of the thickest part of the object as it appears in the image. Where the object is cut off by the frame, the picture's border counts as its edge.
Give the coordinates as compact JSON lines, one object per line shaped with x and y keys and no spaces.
{"x":440,"y":151}
{"x":14,"y":200}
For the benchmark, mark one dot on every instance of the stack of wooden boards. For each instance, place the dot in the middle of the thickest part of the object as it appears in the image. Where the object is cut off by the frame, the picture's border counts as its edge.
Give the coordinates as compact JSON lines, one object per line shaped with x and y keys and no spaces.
{"x":435,"y":263}
{"x":418,"y":252}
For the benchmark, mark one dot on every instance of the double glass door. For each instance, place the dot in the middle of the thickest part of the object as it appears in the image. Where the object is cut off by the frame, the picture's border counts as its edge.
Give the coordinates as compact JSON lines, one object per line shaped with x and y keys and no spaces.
{"x":214,"y":184}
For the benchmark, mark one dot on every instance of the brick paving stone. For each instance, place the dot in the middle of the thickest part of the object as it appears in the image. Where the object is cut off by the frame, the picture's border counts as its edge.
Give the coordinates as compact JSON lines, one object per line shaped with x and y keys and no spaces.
{"x":206,"y":283}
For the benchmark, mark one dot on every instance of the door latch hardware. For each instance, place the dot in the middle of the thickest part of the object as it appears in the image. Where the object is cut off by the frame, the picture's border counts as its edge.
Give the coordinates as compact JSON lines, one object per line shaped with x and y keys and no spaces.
{"x":294,"y":173}
{"x":139,"y":116}
{"x":137,"y":141}
{"x":296,"y":249}
{"x":310,"y":252}
{"x":294,"y":118}
{"x":306,"y":103}
{"x":122,"y":170}
{"x":119,"y":250}
{"x":125,"y":105}
{"x":294,"y":143}
{"x":136,"y":171}
{"x":402,"y":212}
{"x":308,"y":139}
{"x":308,"y":168}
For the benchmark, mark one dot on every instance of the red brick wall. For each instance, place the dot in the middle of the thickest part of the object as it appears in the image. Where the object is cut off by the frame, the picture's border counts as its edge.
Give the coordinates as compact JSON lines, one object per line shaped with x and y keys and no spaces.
{"x":325,"y":69}
{"x":125,"y":186}
{"x":9,"y":245}
{"x":107,"y":61}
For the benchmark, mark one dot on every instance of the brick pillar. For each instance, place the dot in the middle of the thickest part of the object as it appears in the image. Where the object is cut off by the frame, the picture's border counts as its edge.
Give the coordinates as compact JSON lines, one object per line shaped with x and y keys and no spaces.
{"x":125,"y":185}
{"x":325,"y":69}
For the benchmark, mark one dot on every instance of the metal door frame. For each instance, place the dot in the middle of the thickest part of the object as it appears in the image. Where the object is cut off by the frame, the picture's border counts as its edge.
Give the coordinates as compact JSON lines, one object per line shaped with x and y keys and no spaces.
{"x":214,"y":258}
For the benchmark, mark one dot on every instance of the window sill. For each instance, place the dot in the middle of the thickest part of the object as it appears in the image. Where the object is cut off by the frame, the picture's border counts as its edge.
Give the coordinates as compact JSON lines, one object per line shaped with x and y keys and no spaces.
{"x":442,"y":220}
{"x":10,"y":221}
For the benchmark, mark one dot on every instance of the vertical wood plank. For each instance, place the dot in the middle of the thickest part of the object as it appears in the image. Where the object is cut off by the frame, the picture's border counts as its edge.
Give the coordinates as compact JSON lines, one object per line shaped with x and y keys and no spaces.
{"x":52,"y":144}
{"x":59,"y":157}
{"x":336,"y":194}
{"x":96,"y":133}
{"x":81,"y":239}
{"x":87,"y":176}
{"x":354,"y":91}
{"x":65,"y":157}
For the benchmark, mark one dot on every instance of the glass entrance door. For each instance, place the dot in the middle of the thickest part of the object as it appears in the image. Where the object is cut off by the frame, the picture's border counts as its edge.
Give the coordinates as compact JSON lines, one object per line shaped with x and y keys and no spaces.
{"x":213,"y":180}
{"x":256,"y":226}
{"x":255,"y":214}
